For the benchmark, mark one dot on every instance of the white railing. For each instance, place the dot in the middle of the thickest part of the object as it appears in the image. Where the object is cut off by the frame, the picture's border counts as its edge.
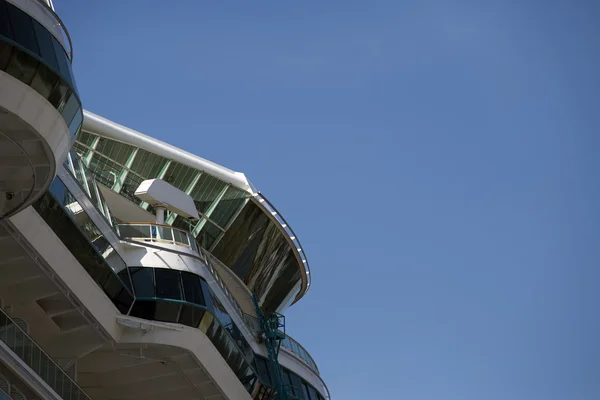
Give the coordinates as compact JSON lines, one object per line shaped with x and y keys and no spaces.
{"x":145,"y":232}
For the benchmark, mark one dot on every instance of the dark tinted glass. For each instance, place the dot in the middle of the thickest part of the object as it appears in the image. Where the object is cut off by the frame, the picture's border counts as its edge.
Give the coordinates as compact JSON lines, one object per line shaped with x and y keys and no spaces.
{"x":262,"y":367}
{"x":61,"y":58}
{"x":22,"y":66}
{"x":191,"y":315}
{"x":5,"y":28}
{"x":144,"y":309}
{"x":143,"y":281}
{"x":297,"y":386}
{"x":313,"y":393}
{"x":5,"y":53}
{"x":59,"y":95}
{"x":167,"y":284}
{"x":76,"y":122}
{"x":45,"y":44}
{"x":167,"y":311}
{"x":192,"y":288}
{"x":44,"y":81}
{"x":70,"y":108}
{"x":22,"y":25}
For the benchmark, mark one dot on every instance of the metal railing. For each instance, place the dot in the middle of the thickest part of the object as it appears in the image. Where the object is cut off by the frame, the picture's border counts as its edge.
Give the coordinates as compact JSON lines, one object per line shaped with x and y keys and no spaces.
{"x":289,"y":231}
{"x":40,"y":362}
{"x":146,"y":232}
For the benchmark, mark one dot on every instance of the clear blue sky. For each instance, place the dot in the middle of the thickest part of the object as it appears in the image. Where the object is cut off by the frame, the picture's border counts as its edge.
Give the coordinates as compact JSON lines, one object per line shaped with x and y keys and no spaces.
{"x":438,"y":159}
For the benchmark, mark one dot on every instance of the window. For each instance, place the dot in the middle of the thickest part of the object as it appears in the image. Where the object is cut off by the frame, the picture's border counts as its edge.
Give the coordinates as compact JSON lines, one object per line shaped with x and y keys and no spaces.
{"x":208,"y":235}
{"x":206,"y":191}
{"x":143,"y":281}
{"x":70,"y":108}
{"x":313,"y":393}
{"x":5,"y":53}
{"x":5,"y":27}
{"x":22,"y":66}
{"x":63,"y":62}
{"x":192,"y":288}
{"x":44,"y":40}
{"x":167,"y":284}
{"x":22,"y":25}
{"x":76,"y":122}
{"x":59,"y":95}
{"x":44,"y":81}
{"x":229,"y":204}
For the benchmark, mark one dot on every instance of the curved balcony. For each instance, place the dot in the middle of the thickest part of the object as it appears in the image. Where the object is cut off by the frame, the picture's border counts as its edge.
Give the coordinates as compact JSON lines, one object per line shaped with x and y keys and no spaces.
{"x":159,"y":234}
{"x":40,"y":110}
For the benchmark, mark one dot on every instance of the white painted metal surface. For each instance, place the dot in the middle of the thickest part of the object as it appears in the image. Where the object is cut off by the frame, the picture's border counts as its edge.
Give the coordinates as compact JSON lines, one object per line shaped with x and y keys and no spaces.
{"x":157,"y":192}
{"x":102,"y":126}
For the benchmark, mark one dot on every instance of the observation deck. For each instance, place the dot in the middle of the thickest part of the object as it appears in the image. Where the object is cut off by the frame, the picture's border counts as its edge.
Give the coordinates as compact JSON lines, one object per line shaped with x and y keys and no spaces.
{"x":238,"y":225}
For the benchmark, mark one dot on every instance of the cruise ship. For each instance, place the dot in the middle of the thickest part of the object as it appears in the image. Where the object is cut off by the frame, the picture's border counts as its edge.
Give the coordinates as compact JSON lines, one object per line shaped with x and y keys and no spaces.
{"x":129,"y":268}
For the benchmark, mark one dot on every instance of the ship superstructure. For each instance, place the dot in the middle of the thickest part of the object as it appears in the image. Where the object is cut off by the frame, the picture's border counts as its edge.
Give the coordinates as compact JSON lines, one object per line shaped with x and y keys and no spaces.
{"x":130,"y":268}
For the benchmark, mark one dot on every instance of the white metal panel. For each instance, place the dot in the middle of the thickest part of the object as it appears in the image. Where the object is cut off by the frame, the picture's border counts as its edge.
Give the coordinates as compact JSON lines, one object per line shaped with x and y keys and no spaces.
{"x":102,"y":126}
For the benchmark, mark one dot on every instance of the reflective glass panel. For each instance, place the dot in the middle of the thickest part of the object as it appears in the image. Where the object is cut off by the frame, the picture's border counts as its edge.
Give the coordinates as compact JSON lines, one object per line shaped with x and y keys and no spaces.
{"x":5,"y":27}
{"x":44,"y":40}
{"x":5,"y":53}
{"x":22,"y":66}
{"x":206,"y":192}
{"x":168,"y":284}
{"x":143,"y":281}
{"x":192,"y":288}
{"x":22,"y":25}
{"x":44,"y":81}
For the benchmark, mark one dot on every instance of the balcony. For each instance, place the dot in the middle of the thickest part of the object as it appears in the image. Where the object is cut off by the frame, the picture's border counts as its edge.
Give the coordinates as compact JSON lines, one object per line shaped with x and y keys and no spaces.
{"x":158,"y":234}
{"x":32,"y":355}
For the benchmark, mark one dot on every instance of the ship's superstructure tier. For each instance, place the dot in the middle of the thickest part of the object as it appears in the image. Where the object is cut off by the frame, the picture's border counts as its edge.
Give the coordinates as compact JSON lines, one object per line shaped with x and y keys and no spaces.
{"x":238,"y":224}
{"x":40,"y":110}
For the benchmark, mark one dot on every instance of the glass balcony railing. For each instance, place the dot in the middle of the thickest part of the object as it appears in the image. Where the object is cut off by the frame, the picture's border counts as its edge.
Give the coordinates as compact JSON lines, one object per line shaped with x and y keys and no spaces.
{"x":28,"y":351}
{"x":145,"y":232}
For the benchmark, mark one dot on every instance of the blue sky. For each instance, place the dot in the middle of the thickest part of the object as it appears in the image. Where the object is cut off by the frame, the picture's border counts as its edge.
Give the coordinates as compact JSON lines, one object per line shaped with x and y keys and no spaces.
{"x":438,"y":160}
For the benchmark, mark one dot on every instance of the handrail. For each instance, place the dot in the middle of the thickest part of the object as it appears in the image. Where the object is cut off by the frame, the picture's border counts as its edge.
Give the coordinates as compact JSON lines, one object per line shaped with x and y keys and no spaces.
{"x":63,"y":30}
{"x":291,"y":234}
{"x":157,"y":235}
{"x":38,"y":368}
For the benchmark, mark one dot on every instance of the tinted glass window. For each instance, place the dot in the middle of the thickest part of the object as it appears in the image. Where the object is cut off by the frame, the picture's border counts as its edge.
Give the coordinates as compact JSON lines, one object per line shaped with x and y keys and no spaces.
{"x":5,"y":28}
{"x":22,"y":66}
{"x":313,"y":393}
{"x":61,"y":58}
{"x":44,"y":81}
{"x":45,"y":43}
{"x":192,"y":288}
{"x":143,"y":281}
{"x":297,"y":386}
{"x":191,"y":315}
{"x":167,"y":312}
{"x":167,"y":284}
{"x":262,"y":367}
{"x":23,"y":31}
{"x":59,"y":95}
{"x":76,"y":122}
{"x":70,"y":108}
{"x":5,"y":53}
